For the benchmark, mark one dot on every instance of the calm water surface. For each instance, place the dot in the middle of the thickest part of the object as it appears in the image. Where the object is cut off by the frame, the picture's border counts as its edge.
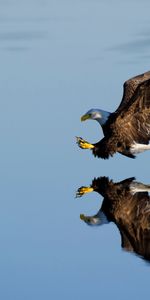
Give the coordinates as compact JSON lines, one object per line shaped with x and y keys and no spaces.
{"x":58,"y":59}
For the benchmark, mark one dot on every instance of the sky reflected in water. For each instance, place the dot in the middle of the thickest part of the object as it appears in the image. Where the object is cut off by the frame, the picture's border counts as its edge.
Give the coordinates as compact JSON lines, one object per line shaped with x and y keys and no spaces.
{"x":59,"y":59}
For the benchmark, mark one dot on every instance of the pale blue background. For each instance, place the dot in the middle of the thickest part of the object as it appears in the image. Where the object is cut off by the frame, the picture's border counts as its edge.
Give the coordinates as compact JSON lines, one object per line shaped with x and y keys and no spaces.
{"x":57,"y":60}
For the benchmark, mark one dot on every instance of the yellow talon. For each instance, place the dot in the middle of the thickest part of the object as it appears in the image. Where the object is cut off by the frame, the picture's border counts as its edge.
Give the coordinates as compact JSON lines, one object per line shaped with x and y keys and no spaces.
{"x":83,"y":190}
{"x":84,"y":144}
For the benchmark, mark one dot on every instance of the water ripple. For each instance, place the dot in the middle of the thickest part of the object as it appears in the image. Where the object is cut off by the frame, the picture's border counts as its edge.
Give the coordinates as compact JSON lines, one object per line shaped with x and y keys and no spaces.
{"x":22,"y":35}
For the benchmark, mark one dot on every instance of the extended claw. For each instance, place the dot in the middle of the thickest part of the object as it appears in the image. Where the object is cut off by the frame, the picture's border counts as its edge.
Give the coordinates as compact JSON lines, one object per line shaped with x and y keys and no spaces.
{"x":83,"y":190}
{"x":84,"y":144}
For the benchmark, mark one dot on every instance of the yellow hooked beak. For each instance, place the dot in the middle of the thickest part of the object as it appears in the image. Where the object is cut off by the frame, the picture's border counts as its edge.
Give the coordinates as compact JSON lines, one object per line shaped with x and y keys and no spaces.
{"x":85,"y":117}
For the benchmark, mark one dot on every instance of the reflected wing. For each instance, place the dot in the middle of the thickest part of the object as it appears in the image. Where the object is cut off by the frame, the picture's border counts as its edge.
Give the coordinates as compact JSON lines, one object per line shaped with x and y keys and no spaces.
{"x":129,"y":88}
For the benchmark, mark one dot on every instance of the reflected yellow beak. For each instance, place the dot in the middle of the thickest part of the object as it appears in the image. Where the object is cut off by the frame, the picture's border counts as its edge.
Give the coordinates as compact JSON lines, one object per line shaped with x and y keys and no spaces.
{"x":82,"y":217}
{"x":85,"y":117}
{"x":85,"y":219}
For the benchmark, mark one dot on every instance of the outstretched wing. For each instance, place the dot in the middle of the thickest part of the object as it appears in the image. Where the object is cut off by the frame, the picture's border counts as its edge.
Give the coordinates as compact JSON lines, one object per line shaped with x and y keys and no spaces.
{"x":133,"y":121}
{"x":130,"y":87}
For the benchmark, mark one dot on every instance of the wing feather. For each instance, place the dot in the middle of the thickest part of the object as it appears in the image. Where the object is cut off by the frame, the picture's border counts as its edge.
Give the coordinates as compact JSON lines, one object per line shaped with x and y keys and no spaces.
{"x":133,"y":122}
{"x":130,"y":87}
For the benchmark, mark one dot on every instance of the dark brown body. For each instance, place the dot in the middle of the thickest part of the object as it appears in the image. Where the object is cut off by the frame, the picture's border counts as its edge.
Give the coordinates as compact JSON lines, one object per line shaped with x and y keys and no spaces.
{"x":130,"y":212}
{"x":130,"y":123}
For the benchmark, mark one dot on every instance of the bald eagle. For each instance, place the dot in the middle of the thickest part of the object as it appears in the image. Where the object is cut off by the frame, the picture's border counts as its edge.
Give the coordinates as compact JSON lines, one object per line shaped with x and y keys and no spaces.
{"x":127,"y":204}
{"x":127,"y":130}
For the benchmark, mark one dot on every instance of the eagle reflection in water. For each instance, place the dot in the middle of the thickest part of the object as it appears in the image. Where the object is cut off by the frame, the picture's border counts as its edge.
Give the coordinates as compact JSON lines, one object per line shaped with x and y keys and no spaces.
{"x":127,"y":204}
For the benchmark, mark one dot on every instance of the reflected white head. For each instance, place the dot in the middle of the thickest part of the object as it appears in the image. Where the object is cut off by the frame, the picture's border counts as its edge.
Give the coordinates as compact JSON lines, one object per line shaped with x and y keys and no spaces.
{"x":99,"y":115}
{"x":99,"y":219}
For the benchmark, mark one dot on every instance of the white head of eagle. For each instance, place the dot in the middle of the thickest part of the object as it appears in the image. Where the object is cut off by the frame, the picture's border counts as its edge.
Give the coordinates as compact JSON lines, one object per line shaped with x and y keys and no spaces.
{"x":101,"y":116}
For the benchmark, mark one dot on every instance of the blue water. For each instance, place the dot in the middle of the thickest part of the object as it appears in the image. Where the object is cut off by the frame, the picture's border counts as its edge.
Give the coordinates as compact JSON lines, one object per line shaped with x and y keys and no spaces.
{"x":57,"y":60}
